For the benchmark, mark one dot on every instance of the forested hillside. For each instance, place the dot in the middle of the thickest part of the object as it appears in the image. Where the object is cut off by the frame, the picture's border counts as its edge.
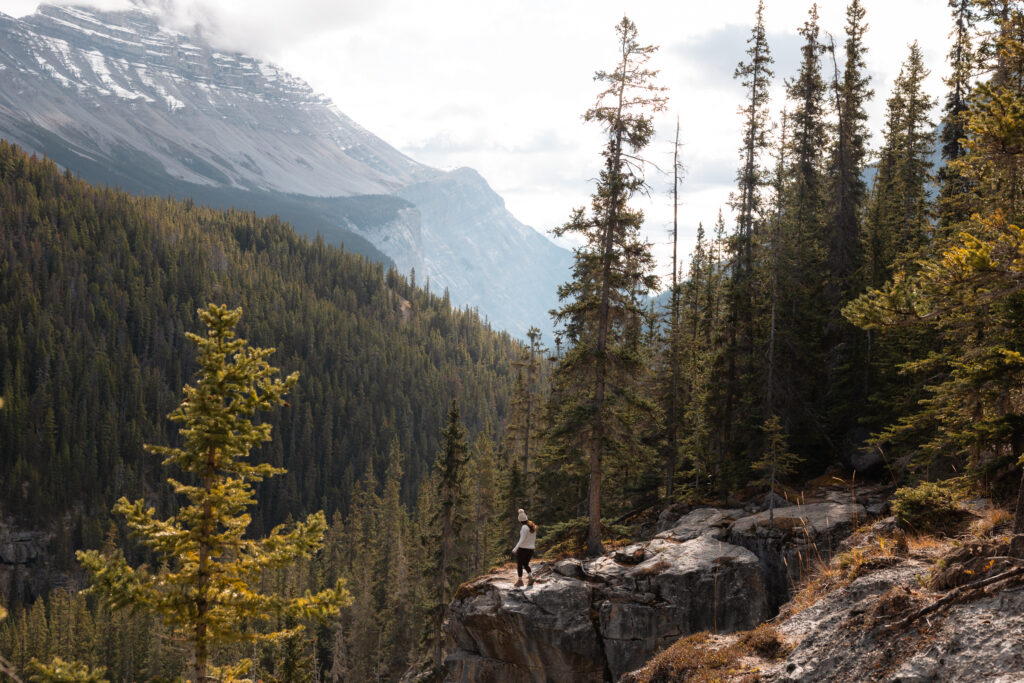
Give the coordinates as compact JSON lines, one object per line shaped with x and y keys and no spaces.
{"x":97,"y":289}
{"x":832,"y":328}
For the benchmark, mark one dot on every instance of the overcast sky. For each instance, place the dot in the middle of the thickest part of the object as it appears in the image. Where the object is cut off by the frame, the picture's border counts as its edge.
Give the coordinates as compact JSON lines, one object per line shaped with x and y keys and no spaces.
{"x":501,"y":87}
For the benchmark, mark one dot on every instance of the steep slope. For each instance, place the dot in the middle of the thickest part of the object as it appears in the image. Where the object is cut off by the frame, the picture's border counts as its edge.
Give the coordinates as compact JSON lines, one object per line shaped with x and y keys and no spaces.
{"x":892,"y":606}
{"x":470,"y":238}
{"x":97,"y":290}
{"x":113,"y":84}
{"x":121,"y":100}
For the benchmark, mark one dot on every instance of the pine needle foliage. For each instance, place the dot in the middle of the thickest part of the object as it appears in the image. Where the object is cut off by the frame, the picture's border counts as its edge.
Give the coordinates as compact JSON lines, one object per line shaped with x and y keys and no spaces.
{"x":777,"y":462}
{"x":206,"y":586}
{"x":595,"y":382}
{"x":968,"y":287}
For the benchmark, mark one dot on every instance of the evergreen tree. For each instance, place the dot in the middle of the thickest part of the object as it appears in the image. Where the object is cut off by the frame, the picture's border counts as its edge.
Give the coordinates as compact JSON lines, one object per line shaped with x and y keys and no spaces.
{"x":741,"y":353}
{"x":396,"y":611}
{"x":448,"y":520}
{"x":484,"y":506}
{"x":847,"y":164}
{"x":5,"y":666}
{"x":898,"y":223}
{"x":207,"y":588}
{"x":595,"y":378}
{"x":967,"y":288}
{"x":776,"y":463}
{"x":895,"y":237}
{"x":524,"y":424}
{"x":698,"y":324}
{"x":363,"y":549}
{"x":953,"y":187}
{"x":801,"y":306}
{"x":775,"y":257}
{"x":846,"y":350}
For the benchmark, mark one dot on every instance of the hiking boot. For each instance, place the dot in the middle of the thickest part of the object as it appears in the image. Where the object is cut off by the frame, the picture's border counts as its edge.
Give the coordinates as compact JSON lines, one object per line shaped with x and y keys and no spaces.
{"x":529,"y":582}
{"x":519,"y":582}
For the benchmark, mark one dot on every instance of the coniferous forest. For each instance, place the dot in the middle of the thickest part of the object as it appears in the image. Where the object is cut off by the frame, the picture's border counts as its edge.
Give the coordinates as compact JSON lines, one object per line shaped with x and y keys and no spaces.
{"x":854,"y":308}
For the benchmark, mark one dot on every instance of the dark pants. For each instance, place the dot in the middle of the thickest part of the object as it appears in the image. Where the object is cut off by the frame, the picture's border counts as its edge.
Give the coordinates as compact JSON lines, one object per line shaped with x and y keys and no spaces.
{"x":523,"y":556}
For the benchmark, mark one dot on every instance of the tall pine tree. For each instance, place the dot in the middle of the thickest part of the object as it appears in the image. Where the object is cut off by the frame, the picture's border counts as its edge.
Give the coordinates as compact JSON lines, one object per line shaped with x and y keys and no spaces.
{"x":448,"y":519}
{"x":845,"y":345}
{"x":595,"y":379}
{"x":742,"y":355}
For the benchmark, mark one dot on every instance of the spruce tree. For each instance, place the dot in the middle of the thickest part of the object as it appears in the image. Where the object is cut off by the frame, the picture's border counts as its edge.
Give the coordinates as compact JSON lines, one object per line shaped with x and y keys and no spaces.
{"x":845,"y":345}
{"x":699,"y":292}
{"x":967,"y":288}
{"x":741,"y":354}
{"x":394,"y":573}
{"x":207,"y":587}
{"x":776,"y":462}
{"x":776,"y":270}
{"x":524,"y":423}
{"x":448,"y":520}
{"x":899,"y":212}
{"x":596,"y":377}
{"x":849,"y":153}
{"x":364,"y":550}
{"x":802,"y":309}
{"x":953,"y":186}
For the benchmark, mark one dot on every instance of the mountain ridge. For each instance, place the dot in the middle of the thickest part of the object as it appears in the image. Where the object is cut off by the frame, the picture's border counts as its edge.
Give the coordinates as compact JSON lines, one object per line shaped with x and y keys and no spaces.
{"x":121,"y":100}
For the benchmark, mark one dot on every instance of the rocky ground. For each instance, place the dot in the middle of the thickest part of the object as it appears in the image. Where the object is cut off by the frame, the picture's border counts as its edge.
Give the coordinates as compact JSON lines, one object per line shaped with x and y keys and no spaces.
{"x":887,"y":608}
{"x":706,"y":570}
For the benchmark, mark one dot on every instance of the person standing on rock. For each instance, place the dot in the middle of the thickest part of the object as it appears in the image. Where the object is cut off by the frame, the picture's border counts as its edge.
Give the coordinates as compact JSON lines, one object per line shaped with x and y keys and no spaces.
{"x":524,"y":548}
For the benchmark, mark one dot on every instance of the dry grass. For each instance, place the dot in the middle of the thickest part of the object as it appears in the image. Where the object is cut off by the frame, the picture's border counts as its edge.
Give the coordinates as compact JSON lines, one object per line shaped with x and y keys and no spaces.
{"x":766,"y":643}
{"x":703,"y":658}
{"x":953,"y":562}
{"x":867,"y":551}
{"x":993,"y":521}
{"x":823,"y":578}
{"x":927,"y":546}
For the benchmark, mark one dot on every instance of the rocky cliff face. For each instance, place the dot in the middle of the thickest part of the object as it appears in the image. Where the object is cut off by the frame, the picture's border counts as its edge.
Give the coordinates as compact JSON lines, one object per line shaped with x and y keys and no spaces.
{"x":479,"y":252}
{"x":719,"y":570}
{"x":595,"y":620}
{"x":25,"y":565}
{"x":118,"y":99}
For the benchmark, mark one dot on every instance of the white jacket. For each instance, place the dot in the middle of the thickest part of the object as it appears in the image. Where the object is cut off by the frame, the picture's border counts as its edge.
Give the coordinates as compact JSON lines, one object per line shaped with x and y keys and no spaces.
{"x":527,"y":539}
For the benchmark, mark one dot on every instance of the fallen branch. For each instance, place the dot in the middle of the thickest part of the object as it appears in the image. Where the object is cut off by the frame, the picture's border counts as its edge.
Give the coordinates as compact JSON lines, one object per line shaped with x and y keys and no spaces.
{"x":954,"y":595}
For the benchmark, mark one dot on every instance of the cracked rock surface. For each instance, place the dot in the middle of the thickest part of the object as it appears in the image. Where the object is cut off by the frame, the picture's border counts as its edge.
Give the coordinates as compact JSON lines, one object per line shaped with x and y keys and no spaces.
{"x":710,"y":569}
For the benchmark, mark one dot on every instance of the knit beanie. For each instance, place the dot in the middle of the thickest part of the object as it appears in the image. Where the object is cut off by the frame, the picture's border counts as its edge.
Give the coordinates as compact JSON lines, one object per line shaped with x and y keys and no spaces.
{"x":522,"y":515}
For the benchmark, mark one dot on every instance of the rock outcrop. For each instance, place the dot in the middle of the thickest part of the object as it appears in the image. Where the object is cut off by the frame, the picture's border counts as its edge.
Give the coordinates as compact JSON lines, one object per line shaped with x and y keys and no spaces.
{"x":22,"y":547}
{"x":720,"y":570}
{"x":798,"y":538}
{"x":594,"y":620}
{"x":892,"y":608}
{"x":25,"y":566}
{"x":854,"y":633}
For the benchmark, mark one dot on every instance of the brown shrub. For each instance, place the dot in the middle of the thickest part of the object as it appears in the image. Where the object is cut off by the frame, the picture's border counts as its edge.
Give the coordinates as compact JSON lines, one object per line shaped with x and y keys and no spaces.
{"x":765,"y":641}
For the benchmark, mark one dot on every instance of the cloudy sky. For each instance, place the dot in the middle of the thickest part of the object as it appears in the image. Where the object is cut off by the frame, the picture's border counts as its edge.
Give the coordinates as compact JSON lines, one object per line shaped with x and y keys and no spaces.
{"x":501,"y":87}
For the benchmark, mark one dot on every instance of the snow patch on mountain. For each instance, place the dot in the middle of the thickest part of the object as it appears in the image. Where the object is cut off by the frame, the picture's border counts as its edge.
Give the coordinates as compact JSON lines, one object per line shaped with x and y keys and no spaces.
{"x":120,"y":99}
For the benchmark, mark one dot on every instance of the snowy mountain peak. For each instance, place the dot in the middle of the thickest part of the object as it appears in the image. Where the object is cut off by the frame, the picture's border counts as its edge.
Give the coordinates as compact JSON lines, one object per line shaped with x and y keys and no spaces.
{"x":120,"y":99}
{"x":187,"y":103}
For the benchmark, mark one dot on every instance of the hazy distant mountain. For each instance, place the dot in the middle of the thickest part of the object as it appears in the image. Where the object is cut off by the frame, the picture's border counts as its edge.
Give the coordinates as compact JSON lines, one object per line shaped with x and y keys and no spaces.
{"x":119,"y":99}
